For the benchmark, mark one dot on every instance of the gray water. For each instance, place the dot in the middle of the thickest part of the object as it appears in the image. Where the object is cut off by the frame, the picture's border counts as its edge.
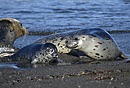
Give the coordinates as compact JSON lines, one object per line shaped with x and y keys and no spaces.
{"x":63,"y":15}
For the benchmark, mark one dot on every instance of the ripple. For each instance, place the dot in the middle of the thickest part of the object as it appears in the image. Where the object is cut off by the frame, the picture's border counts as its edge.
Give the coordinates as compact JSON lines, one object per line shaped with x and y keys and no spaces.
{"x":42,"y":15}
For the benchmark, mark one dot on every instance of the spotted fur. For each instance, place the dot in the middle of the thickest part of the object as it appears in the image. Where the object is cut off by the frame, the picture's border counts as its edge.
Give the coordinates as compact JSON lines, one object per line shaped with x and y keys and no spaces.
{"x":99,"y":46}
{"x":36,"y":53}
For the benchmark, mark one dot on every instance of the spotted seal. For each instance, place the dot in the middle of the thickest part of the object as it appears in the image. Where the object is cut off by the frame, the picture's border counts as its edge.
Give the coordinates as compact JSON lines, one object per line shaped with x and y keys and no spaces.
{"x":36,"y":53}
{"x":10,"y":30}
{"x":95,"y":43}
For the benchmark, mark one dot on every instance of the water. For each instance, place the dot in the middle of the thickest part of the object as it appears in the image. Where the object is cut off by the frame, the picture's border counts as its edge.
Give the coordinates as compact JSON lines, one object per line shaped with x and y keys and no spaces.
{"x":63,"y":15}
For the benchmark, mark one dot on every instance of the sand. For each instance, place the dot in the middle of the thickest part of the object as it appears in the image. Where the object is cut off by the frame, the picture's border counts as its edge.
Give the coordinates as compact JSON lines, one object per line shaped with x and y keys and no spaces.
{"x":99,"y":74}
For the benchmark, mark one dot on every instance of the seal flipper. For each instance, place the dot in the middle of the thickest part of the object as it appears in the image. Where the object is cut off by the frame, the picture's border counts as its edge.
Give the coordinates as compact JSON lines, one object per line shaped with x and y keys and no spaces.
{"x":123,"y":56}
{"x":76,"y":53}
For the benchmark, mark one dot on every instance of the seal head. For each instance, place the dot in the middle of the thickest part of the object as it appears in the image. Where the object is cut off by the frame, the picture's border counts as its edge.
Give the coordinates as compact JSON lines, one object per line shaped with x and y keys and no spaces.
{"x":10,"y":30}
{"x":47,"y":54}
{"x":77,"y":41}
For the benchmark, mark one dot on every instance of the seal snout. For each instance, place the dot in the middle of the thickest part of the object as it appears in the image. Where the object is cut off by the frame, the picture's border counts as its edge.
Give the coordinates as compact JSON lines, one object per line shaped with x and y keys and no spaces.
{"x":54,"y":55}
{"x":24,"y":30}
{"x":72,"y":43}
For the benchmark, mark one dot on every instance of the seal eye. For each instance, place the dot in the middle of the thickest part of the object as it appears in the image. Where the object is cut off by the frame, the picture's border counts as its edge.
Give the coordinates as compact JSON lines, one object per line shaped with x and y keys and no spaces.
{"x":21,"y":24}
{"x":52,"y":50}
{"x":76,"y":39}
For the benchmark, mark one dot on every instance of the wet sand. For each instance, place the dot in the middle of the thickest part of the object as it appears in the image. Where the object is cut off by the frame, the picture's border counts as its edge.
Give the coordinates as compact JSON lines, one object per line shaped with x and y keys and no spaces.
{"x":81,"y":74}
{"x":99,"y":74}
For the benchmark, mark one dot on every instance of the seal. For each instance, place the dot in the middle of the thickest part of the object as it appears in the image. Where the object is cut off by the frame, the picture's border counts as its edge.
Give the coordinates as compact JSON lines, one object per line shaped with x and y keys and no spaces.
{"x":10,"y":30}
{"x":95,"y":43}
{"x":36,"y":53}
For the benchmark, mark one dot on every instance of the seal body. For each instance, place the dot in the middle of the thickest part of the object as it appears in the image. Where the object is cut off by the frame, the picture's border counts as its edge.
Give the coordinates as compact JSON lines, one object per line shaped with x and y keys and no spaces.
{"x":36,"y":53}
{"x":95,"y":43}
{"x":10,"y":30}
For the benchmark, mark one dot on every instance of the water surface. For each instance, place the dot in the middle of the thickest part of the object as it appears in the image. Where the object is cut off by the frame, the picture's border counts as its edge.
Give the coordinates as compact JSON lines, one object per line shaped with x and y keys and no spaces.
{"x":63,"y":15}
